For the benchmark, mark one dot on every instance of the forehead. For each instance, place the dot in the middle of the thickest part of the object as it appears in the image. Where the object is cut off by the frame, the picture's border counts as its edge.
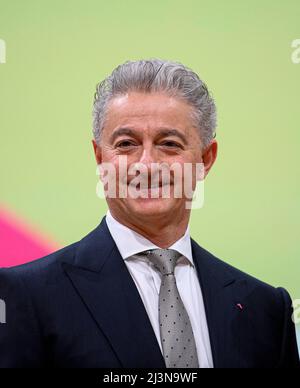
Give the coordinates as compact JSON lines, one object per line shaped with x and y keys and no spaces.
{"x":149,"y":109}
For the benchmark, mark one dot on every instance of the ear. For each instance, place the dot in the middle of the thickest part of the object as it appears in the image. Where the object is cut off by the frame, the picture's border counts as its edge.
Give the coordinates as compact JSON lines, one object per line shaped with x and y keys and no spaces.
{"x":97,"y":152}
{"x":209,"y":156}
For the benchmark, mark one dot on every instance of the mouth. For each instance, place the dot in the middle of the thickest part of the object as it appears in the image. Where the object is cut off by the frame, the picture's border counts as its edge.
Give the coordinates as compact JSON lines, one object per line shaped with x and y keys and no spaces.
{"x":146,"y":186}
{"x":154,"y":190}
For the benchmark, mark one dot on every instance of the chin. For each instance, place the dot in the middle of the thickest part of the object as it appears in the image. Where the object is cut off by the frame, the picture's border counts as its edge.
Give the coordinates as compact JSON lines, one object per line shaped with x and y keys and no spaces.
{"x":151,"y":207}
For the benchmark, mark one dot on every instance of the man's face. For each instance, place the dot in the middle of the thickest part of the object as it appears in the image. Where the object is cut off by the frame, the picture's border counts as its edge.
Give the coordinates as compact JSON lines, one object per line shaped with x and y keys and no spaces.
{"x":147,"y":129}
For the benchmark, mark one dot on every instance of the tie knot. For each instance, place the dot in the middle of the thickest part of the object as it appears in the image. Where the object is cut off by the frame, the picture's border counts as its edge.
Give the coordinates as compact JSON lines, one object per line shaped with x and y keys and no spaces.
{"x":164,"y":259}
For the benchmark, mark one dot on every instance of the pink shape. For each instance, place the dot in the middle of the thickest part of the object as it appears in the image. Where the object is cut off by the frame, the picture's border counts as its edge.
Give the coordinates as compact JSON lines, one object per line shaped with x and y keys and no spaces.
{"x":21,"y":242}
{"x":240,"y":306}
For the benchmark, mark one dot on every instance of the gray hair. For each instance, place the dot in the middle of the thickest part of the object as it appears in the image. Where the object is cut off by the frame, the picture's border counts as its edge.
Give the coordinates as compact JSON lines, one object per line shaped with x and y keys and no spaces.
{"x":156,"y":75}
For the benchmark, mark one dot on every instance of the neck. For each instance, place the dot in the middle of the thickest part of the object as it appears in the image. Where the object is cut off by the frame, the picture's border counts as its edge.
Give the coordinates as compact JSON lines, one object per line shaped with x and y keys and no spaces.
{"x":161,"y":231}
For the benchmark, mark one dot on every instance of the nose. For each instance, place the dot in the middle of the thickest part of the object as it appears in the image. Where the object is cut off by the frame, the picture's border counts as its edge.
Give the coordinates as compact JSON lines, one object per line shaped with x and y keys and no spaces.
{"x":149,"y":155}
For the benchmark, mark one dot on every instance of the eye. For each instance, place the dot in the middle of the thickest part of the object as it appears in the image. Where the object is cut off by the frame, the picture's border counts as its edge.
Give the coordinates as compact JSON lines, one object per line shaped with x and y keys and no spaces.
{"x":125,"y":144}
{"x":172,"y":144}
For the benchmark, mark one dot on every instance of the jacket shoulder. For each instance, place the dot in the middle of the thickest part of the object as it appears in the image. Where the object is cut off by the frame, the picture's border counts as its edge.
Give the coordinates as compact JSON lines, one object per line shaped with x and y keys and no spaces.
{"x":222,"y":269}
{"x":43,"y":265}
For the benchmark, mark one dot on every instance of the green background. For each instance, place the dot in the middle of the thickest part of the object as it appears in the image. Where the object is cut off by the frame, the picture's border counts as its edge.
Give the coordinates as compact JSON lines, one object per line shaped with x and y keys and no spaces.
{"x":58,"y":50}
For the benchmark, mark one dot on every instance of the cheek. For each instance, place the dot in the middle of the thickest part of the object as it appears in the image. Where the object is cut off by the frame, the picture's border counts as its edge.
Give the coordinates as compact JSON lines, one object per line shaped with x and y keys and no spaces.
{"x":114,"y":161}
{"x":108,"y":155}
{"x":190,"y":157}
{"x":190,"y":165}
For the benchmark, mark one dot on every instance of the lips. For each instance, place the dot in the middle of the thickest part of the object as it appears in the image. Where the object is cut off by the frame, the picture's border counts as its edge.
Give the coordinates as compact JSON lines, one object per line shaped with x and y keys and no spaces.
{"x":147,"y":186}
{"x":153,"y":192}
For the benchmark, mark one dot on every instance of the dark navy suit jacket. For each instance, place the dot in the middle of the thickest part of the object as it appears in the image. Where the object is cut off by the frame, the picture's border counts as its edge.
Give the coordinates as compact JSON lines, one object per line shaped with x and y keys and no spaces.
{"x":79,"y":307}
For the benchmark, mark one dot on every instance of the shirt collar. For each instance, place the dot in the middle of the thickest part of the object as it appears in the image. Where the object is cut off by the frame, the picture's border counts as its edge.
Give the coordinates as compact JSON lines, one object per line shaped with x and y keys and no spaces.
{"x":130,"y":242}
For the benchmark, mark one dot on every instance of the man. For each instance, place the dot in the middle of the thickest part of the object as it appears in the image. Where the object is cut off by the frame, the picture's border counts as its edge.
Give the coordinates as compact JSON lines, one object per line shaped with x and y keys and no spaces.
{"x":137,"y":291}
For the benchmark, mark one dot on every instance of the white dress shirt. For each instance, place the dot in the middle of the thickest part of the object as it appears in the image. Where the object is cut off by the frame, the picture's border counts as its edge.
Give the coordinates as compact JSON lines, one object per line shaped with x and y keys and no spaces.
{"x":148,"y":279}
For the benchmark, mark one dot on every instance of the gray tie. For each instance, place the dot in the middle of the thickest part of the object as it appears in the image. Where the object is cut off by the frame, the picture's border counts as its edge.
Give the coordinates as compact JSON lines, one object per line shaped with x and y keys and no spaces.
{"x":177,"y":338}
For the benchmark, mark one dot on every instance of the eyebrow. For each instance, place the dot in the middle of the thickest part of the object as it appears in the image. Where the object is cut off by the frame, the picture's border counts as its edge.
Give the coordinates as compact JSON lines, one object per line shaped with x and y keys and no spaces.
{"x":163,"y":132}
{"x":122,"y":131}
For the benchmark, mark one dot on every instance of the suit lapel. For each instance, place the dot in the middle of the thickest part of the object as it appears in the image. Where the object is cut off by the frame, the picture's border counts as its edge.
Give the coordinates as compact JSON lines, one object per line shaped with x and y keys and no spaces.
{"x":107,"y":289}
{"x":222,"y":293}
